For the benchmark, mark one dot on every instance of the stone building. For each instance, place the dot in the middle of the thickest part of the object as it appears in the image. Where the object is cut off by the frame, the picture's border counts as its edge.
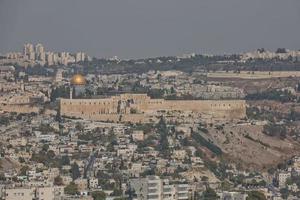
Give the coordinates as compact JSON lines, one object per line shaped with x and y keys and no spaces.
{"x":153,"y":187}
{"x":141,"y":108}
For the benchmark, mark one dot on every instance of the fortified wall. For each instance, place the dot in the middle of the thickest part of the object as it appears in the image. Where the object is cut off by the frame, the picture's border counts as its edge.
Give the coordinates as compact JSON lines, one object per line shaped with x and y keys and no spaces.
{"x":140,"y":108}
{"x":19,"y":108}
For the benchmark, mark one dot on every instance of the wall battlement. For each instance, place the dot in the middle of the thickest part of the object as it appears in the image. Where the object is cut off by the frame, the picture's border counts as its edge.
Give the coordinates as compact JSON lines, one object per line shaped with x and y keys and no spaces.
{"x":140,"y":107}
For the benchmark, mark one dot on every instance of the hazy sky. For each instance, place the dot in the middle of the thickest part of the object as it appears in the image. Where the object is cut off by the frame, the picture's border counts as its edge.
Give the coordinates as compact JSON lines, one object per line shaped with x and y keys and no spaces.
{"x":146,"y":28}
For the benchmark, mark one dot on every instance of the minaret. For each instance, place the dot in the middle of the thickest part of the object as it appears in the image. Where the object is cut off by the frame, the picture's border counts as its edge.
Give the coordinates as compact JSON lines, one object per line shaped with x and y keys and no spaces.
{"x":71,"y":92}
{"x":22,"y":86}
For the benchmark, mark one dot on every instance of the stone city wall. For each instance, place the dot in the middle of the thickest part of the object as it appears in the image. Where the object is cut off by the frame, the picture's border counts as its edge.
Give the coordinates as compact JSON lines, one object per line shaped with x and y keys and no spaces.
{"x":136,"y":108}
{"x":19,"y":108}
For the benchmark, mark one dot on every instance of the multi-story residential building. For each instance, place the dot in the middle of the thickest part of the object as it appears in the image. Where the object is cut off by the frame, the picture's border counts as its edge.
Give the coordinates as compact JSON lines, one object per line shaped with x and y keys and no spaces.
{"x":49,"y":58}
{"x":93,"y":183}
{"x":155,"y":188}
{"x":40,"y":53}
{"x":80,"y":56}
{"x":282,"y":177}
{"x":232,"y":195}
{"x":45,"y":193}
{"x":64,"y":58}
{"x":7,"y":71}
{"x":39,"y":49}
{"x":19,"y":193}
{"x":58,"y":76}
{"x":137,"y":135}
{"x":34,"y":192}
{"x":28,"y":51}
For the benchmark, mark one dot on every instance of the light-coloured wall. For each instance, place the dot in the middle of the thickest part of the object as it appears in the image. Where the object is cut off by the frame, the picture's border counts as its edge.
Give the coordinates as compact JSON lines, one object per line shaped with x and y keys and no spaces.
{"x":19,"y":108}
{"x":19,"y":194}
{"x":255,"y":75}
{"x":119,"y":108}
{"x":45,"y":193}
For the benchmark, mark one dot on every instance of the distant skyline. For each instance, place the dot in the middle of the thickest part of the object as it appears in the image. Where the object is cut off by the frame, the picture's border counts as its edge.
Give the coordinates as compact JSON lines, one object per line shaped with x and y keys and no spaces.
{"x":150,"y":28}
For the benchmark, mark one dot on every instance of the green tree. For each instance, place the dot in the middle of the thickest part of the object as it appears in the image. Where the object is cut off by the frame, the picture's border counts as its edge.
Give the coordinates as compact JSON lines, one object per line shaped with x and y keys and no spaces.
{"x":79,"y":126}
{"x":23,"y":170}
{"x":276,"y":130}
{"x":65,"y":160}
{"x":225,"y":186}
{"x":284,"y":193}
{"x":58,"y":181}
{"x":60,"y":92}
{"x":204,"y":142}
{"x":163,"y":133}
{"x":204,"y":178}
{"x":71,"y":189}
{"x":75,"y":171}
{"x":120,"y":198}
{"x":99,"y":195}
{"x":45,"y":147}
{"x":117,"y":192}
{"x":4,"y":121}
{"x":209,"y":194}
{"x":21,"y":159}
{"x":255,"y":195}
{"x":50,"y":154}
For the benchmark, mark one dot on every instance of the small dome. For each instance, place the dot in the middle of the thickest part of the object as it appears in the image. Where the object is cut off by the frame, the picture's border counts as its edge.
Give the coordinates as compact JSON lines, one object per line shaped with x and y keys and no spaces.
{"x":78,"y":80}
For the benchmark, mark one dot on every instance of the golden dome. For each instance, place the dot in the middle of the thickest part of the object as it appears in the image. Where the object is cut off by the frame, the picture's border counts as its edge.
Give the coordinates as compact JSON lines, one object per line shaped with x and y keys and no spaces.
{"x":78,"y":79}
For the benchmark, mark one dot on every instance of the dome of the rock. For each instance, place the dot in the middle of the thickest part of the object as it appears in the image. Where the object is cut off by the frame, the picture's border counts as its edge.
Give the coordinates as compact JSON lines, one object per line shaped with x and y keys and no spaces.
{"x":78,"y":80}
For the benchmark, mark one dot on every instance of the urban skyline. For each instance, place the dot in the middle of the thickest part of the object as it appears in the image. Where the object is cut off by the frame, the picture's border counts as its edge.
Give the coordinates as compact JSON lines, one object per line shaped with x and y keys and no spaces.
{"x":128,"y":29}
{"x":149,"y":100}
{"x":39,"y":52}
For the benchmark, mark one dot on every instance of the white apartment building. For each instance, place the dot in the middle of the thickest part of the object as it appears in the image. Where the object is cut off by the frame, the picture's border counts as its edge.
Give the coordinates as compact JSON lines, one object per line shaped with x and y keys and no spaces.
{"x":38,"y":193}
{"x":80,"y":56}
{"x":39,"y":48}
{"x":28,"y":51}
{"x":155,"y":188}
{"x":40,"y":53}
{"x":93,"y":183}
{"x":19,"y":194}
{"x":282,"y":177}
{"x":137,"y":136}
{"x":45,"y":193}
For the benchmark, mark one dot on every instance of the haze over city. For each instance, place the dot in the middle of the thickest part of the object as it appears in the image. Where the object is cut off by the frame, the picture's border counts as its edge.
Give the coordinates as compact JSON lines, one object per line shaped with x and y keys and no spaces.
{"x":140,"y":28}
{"x":149,"y":100}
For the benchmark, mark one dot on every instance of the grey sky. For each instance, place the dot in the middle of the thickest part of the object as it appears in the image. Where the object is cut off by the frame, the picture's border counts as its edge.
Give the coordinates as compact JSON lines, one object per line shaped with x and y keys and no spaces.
{"x":146,"y":28}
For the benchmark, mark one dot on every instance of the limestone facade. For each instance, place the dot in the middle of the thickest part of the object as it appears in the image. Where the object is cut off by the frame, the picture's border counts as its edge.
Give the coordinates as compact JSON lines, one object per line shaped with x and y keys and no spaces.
{"x":140,"y":108}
